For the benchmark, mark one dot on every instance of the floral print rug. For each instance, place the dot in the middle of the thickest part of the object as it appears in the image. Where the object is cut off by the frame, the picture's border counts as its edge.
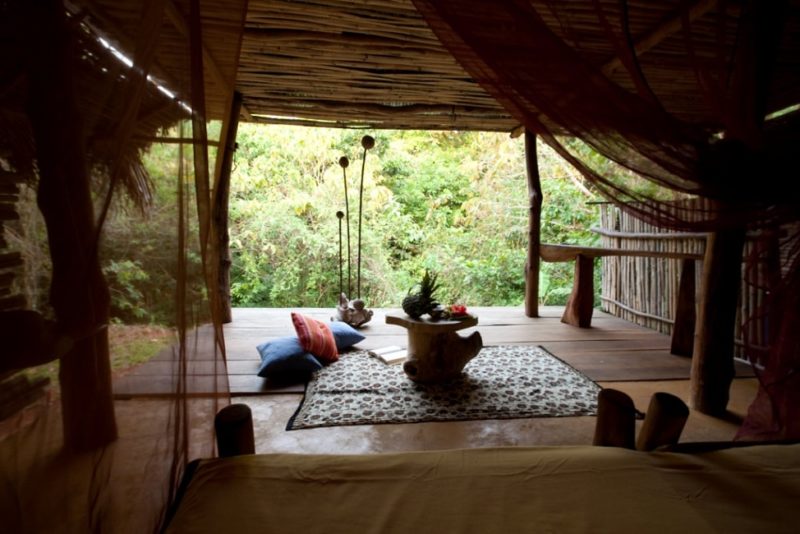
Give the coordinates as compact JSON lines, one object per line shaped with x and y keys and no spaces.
{"x":501,"y":382}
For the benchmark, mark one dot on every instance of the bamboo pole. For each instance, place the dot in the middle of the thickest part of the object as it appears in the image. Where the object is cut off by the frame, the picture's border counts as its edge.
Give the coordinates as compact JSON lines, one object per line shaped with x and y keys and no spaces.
{"x":344,"y":163}
{"x":220,"y":215}
{"x":367,"y":142}
{"x":532,"y":265}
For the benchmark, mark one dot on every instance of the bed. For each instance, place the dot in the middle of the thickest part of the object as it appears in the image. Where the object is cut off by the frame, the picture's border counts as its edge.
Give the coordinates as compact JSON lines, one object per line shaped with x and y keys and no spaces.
{"x":497,"y":490}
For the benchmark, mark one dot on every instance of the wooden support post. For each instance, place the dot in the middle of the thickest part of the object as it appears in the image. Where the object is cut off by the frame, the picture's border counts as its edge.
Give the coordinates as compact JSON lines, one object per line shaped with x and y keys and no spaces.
{"x":664,"y":422}
{"x":685,"y":312}
{"x":78,"y":292}
{"x":221,"y":196}
{"x":712,"y":360}
{"x":580,"y":305}
{"x":234,"y":427}
{"x":532,"y":265}
{"x":616,"y":420}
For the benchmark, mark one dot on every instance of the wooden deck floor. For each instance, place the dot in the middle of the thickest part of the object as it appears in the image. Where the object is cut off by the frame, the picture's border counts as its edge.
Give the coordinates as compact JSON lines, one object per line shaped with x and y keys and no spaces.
{"x":611,"y":350}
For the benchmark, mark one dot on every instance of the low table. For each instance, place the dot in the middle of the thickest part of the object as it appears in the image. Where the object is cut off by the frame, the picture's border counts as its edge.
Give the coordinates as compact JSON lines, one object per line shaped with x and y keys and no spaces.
{"x":435,"y":351}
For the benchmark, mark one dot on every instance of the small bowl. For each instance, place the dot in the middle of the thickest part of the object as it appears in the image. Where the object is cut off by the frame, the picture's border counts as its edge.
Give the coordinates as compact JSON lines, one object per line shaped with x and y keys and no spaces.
{"x":437,"y":313}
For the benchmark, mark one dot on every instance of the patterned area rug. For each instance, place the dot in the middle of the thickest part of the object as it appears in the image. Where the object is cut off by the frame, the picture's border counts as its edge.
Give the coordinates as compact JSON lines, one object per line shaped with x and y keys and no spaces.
{"x":501,"y":382}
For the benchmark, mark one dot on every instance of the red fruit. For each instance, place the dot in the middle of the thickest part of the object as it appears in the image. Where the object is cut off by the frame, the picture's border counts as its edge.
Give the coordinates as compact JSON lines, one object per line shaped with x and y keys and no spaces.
{"x":458,"y":309}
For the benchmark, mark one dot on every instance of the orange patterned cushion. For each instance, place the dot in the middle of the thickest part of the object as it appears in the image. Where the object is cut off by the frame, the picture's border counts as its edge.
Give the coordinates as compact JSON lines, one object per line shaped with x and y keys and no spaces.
{"x":315,"y":337}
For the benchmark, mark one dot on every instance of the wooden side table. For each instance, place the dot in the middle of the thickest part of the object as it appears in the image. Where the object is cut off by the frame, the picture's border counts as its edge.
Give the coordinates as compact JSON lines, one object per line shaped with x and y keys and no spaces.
{"x":435,"y":351}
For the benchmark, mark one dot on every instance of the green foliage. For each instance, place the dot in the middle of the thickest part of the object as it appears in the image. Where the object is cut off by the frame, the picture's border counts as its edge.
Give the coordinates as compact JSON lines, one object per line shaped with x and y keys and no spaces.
{"x":455,"y":203}
{"x":451,"y":202}
{"x":124,"y":278}
{"x":139,"y":250}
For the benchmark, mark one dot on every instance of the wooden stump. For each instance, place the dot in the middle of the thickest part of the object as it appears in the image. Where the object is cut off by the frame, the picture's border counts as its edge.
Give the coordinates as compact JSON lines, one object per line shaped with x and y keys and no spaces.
{"x":234,"y":427}
{"x":685,"y":313}
{"x":616,"y":420}
{"x":664,"y":422}
{"x":435,"y":352}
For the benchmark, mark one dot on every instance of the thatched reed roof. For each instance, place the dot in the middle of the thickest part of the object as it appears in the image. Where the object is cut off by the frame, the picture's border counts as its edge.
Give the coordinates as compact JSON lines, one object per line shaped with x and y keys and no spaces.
{"x":350,"y":63}
{"x":376,"y":64}
{"x":120,"y":23}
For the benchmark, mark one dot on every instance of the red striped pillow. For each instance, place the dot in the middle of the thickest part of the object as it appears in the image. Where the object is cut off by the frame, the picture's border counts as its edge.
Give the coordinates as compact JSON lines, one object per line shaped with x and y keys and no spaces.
{"x":315,"y":337}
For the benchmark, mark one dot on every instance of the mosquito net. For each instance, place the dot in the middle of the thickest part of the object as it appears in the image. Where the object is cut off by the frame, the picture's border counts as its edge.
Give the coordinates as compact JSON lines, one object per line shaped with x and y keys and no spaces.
{"x":731,"y":145}
{"x":86,"y":445}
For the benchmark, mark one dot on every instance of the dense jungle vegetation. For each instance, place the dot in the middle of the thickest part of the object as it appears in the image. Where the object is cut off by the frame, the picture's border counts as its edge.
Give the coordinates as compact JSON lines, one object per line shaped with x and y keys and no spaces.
{"x":452,"y":202}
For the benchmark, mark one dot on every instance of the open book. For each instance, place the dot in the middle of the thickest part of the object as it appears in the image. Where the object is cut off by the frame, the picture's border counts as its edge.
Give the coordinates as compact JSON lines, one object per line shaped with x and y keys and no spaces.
{"x":390,"y":355}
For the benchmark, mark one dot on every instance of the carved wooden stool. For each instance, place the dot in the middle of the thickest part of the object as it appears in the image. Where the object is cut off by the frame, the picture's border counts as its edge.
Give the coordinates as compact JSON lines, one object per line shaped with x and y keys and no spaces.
{"x":435,"y":352}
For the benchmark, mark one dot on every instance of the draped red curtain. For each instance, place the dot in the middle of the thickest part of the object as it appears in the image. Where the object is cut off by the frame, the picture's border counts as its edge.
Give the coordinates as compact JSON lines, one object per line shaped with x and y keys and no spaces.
{"x":543,"y":77}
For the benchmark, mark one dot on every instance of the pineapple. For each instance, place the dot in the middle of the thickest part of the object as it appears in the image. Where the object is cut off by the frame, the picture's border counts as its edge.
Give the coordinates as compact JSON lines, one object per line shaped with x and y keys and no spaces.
{"x":417,"y":304}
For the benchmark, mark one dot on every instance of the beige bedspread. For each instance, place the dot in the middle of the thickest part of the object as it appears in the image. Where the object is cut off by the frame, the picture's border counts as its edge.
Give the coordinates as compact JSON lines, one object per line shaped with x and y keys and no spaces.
{"x":503,"y":490}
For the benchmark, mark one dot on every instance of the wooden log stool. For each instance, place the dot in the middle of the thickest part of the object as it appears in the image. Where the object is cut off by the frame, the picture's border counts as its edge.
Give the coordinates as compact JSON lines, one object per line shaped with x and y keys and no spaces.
{"x":616,"y":420}
{"x":234,"y":428}
{"x":664,"y":422}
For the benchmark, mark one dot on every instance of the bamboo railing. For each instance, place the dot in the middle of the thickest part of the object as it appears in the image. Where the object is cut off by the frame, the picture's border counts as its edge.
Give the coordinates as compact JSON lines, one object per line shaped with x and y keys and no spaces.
{"x":640,"y":289}
{"x":644,"y":290}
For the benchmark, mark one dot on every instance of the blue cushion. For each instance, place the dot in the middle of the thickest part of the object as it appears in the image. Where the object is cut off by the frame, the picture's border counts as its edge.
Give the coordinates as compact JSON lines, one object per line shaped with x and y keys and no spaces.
{"x":285,"y":356}
{"x":345,"y":335}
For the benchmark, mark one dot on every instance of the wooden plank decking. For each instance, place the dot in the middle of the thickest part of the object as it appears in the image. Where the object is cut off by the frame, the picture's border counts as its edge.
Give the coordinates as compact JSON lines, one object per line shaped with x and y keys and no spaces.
{"x":611,"y":350}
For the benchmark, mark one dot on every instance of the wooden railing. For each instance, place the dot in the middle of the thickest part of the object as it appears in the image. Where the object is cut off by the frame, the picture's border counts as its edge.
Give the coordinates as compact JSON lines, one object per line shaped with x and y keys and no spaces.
{"x":644,"y":290}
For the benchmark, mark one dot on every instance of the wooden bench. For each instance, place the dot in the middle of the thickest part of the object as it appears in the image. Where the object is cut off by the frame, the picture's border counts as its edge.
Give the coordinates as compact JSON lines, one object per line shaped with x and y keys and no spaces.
{"x":580,"y":305}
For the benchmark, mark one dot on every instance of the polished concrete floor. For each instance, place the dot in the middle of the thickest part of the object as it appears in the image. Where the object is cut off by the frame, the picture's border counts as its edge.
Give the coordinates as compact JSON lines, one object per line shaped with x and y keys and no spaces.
{"x":271,"y":412}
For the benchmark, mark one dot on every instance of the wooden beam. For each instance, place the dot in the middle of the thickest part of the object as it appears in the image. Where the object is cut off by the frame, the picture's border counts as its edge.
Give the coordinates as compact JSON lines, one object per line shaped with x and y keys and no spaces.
{"x":712,"y":360}
{"x":662,"y":31}
{"x":246,"y":114}
{"x":534,"y":226}
{"x":172,"y":140}
{"x":180,"y":22}
{"x":555,"y":253}
{"x":517,"y":131}
{"x":647,"y":235}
